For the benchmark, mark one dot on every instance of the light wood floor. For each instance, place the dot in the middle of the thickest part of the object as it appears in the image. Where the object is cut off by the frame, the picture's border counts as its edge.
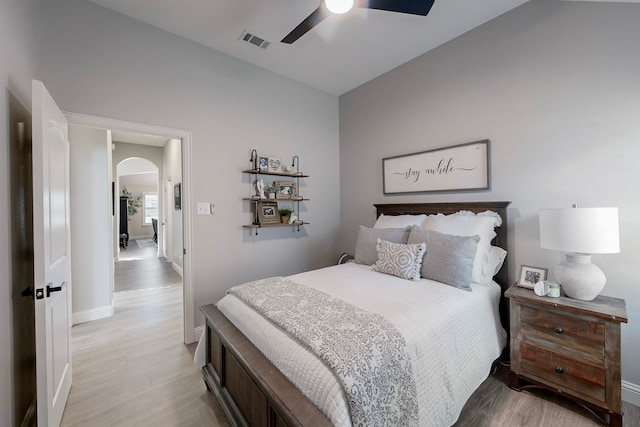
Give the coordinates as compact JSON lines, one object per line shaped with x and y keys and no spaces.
{"x":133,"y":370}
{"x":140,"y":268}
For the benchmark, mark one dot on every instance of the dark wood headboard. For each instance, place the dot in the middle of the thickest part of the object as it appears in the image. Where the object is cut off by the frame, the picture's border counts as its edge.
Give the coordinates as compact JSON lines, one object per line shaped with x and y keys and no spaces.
{"x":501,"y":239}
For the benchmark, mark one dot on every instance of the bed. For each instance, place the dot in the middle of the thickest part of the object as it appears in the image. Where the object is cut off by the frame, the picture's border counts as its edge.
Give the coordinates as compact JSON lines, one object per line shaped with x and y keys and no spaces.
{"x":253,"y":391}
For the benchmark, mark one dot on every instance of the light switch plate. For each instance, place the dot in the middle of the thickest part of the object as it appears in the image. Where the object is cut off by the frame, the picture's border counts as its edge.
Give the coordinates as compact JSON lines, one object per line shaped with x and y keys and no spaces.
{"x":203,"y":209}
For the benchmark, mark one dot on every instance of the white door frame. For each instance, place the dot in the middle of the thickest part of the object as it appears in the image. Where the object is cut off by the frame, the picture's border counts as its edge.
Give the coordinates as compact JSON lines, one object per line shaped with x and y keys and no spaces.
{"x":186,"y":137}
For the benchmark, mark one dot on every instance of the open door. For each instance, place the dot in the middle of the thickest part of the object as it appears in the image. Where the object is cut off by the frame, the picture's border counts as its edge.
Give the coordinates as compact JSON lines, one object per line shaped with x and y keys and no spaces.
{"x":52,"y":260}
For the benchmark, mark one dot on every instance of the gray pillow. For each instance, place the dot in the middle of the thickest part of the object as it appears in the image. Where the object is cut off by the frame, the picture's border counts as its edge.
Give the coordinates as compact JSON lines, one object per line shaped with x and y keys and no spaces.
{"x":449,"y":258}
{"x":366,"y":245}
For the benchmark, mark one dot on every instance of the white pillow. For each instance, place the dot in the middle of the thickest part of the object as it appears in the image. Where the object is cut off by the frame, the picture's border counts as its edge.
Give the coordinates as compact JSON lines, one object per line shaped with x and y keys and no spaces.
{"x":494,"y":262}
{"x":399,"y":221}
{"x":465,"y":223}
{"x":400,"y":260}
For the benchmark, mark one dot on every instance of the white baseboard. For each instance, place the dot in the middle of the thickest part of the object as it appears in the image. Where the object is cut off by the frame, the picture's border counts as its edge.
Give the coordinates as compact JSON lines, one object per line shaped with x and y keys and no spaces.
{"x":94,"y":314}
{"x":177,"y":268}
{"x":197,"y":332}
{"x":631,"y":393}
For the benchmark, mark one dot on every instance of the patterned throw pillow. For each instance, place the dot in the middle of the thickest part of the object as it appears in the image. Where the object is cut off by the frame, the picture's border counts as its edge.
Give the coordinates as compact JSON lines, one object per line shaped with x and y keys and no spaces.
{"x":400,"y":260}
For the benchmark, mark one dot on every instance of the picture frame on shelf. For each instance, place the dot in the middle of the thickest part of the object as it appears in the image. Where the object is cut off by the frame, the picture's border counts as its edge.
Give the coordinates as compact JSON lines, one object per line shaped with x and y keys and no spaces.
{"x":275,"y":165}
{"x":287,"y":190}
{"x":530,"y":275}
{"x":268,"y":212}
{"x":263,"y":163}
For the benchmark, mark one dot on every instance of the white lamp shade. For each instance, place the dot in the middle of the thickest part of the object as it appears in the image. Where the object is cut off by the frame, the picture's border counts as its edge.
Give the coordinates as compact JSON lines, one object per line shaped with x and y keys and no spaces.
{"x":580,"y":230}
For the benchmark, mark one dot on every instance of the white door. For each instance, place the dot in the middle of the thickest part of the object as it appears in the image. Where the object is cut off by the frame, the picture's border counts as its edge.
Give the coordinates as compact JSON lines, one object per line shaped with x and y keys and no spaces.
{"x":52,"y":261}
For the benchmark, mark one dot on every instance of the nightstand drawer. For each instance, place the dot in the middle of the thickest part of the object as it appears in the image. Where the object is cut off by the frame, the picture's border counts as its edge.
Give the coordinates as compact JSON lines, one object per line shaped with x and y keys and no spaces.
{"x":576,"y":375}
{"x":562,"y":331}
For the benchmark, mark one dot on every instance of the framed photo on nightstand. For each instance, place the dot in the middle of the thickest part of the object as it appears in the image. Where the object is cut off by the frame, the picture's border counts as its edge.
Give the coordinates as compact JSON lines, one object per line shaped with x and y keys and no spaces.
{"x":530,"y":275}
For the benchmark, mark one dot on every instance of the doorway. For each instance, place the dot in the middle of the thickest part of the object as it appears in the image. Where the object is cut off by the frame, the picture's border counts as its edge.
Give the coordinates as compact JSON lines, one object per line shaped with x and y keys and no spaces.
{"x":185,"y":139}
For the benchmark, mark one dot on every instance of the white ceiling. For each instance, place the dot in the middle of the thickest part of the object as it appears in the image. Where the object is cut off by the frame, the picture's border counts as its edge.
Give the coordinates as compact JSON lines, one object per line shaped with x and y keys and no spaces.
{"x":339,"y":54}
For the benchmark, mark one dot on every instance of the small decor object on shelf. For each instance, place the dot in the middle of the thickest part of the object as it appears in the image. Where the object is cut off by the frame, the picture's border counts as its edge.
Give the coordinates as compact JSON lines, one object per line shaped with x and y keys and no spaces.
{"x":268,"y":213}
{"x":254,"y":159}
{"x":293,"y":218}
{"x":260,"y":189}
{"x":285,"y":190}
{"x":274,"y":164}
{"x":285,"y":215}
{"x":529,"y":276}
{"x":263,"y":163}
{"x":272,"y":191}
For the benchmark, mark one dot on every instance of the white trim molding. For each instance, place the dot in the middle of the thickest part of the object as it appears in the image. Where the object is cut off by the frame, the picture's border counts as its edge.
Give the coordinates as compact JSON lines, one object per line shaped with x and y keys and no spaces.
{"x":93,"y":314}
{"x":631,"y":393}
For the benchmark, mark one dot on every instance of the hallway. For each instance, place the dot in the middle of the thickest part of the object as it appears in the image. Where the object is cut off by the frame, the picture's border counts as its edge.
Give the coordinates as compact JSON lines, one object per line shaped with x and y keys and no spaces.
{"x":132,"y":369}
{"x":140,"y":268}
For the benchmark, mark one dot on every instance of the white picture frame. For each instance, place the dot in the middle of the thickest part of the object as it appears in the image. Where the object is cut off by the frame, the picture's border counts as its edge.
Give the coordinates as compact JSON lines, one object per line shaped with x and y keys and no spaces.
{"x":275,"y":165}
{"x":530,"y":275}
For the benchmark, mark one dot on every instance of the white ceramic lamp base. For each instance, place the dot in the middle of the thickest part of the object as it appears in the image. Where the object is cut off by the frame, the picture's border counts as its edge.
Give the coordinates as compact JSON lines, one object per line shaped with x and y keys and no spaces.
{"x":579,"y":278}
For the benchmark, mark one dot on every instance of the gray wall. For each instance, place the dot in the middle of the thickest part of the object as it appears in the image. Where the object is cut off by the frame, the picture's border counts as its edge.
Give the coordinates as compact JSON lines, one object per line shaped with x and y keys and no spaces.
{"x":555,"y":86}
{"x":98,"y":62}
{"x":18,"y":65}
{"x":91,"y":223}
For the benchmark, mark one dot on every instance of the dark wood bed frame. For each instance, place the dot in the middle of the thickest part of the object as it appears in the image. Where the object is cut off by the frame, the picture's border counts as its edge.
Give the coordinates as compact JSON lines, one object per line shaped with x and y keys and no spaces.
{"x":253,"y":392}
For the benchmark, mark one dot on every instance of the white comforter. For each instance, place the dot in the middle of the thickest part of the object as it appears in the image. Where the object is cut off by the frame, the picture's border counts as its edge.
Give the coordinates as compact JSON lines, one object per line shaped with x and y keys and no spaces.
{"x":453,"y":335}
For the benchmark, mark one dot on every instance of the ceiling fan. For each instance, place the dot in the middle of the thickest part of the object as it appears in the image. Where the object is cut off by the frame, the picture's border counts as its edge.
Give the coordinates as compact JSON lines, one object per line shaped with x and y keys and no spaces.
{"x":327,"y":7}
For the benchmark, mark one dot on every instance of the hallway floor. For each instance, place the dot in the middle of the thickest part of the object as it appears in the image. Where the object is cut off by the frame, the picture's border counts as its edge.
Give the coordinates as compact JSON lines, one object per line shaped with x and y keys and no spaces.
{"x":140,"y":268}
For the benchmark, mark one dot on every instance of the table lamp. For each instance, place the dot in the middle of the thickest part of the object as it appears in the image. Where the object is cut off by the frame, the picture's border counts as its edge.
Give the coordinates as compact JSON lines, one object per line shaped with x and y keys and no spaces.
{"x":580,"y":232}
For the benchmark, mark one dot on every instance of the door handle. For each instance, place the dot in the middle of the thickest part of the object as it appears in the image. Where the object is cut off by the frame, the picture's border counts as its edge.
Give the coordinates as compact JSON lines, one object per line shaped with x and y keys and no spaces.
{"x":27,"y":292}
{"x":52,"y":289}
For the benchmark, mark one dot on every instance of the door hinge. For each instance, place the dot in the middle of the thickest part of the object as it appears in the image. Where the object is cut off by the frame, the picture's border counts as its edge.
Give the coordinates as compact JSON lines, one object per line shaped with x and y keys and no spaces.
{"x":184,"y":251}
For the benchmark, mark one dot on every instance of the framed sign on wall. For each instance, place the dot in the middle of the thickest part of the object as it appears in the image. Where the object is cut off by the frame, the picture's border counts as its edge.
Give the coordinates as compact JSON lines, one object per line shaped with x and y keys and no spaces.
{"x":463,"y":167}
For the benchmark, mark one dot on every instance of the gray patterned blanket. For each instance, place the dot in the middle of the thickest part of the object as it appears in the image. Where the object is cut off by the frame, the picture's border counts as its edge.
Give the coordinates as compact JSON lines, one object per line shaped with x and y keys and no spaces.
{"x":366,"y":352}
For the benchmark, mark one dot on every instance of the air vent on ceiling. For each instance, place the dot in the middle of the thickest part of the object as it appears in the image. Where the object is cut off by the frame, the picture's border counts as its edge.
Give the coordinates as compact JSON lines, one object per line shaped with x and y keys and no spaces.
{"x":254,"y":40}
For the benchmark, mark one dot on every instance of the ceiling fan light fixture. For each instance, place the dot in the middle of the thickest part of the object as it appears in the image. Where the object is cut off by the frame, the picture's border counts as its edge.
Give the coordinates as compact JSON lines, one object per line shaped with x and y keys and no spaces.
{"x":339,"y":6}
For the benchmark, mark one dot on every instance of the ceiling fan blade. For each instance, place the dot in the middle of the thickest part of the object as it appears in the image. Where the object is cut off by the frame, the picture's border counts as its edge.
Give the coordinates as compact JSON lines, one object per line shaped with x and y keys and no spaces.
{"x":311,"y":21}
{"x":414,"y":7}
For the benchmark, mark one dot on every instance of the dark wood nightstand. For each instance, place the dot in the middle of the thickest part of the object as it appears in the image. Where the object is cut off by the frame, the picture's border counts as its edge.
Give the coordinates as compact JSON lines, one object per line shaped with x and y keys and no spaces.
{"x":569,"y":346}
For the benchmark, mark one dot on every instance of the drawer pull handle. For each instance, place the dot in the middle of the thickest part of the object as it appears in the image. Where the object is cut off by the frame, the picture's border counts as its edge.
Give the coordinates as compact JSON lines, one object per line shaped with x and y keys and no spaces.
{"x":559,"y":330}
{"x":559,"y":369}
